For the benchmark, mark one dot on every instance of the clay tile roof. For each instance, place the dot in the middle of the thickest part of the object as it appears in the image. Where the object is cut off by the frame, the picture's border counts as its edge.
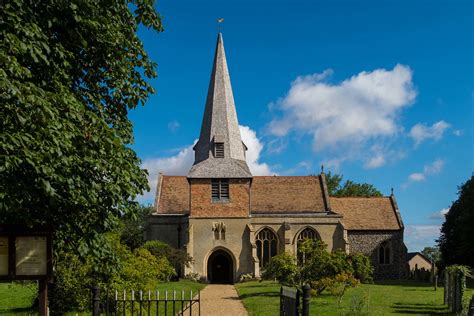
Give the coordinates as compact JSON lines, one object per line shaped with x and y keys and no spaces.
{"x":366,"y":213}
{"x":173,"y":195}
{"x":272,"y":194}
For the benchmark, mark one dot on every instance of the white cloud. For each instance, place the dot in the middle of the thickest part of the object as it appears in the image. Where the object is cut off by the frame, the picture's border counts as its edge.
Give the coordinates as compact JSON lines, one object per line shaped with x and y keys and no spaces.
{"x":458,"y":132}
{"x":344,"y":117}
{"x":430,"y":169}
{"x":375,"y":162}
{"x":439,"y":214}
{"x":182,"y":162}
{"x":421,"y":132}
{"x":416,"y":177}
{"x":418,"y":237}
{"x":173,"y":126}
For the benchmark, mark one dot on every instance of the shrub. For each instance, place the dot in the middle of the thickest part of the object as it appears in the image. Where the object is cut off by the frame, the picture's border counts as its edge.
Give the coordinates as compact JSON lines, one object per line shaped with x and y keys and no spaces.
{"x":363,"y":269}
{"x":283,"y":268}
{"x":246,"y":277}
{"x":177,"y":257}
{"x":193,"y":276}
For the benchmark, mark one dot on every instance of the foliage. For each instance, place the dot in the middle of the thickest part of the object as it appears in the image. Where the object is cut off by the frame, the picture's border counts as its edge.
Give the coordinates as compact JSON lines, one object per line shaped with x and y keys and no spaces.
{"x":133,"y":227}
{"x":318,"y":267}
{"x":340,"y":283}
{"x":283,"y":268}
{"x":457,"y":235}
{"x":359,"y":303}
{"x":362,"y":266}
{"x":142,"y":270}
{"x":349,"y":188}
{"x":177,"y":257}
{"x":193,"y":276}
{"x":133,"y":270}
{"x":433,"y":254}
{"x":71,"y":72}
{"x":246,"y":277}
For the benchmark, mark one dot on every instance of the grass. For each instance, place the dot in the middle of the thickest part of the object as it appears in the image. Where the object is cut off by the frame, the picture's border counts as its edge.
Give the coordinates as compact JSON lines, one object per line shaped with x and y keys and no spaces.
{"x":384,"y":298}
{"x":17,"y":298}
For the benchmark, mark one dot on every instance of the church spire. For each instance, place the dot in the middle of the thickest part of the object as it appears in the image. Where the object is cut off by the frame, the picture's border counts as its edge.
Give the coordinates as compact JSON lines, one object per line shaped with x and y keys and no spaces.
{"x":220,"y":152}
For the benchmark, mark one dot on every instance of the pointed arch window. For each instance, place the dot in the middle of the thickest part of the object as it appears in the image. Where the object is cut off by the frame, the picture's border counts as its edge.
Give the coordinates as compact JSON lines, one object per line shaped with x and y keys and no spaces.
{"x":384,"y":253}
{"x":267,"y":245}
{"x":307,"y":233}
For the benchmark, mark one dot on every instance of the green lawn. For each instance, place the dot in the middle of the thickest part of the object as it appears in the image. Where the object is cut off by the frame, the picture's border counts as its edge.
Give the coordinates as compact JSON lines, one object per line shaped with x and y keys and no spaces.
{"x":16,"y":298}
{"x":387,"y":298}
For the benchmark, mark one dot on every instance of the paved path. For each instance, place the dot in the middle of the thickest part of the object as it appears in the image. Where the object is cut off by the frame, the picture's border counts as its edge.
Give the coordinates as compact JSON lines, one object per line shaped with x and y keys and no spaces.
{"x":221,"y":300}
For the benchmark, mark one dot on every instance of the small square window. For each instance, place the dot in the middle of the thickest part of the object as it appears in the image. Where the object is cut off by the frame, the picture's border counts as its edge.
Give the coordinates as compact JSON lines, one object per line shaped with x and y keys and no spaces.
{"x":219,"y":150}
{"x":220,"y":189}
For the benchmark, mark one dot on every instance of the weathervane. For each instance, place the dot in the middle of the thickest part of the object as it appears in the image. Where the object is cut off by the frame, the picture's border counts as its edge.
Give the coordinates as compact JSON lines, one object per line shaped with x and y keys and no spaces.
{"x":219,"y":24}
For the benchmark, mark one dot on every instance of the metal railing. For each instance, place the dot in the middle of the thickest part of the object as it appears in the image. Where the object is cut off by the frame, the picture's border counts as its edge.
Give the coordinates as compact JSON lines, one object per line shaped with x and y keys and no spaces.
{"x":146,"y":303}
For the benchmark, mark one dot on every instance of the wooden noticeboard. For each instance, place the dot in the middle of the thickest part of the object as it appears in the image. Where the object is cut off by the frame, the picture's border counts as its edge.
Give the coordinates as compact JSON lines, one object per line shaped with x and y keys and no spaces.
{"x":25,"y":253}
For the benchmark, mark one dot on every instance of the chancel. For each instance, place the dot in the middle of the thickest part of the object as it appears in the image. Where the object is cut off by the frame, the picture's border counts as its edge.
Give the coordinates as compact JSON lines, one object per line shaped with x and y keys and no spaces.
{"x":232,"y":223}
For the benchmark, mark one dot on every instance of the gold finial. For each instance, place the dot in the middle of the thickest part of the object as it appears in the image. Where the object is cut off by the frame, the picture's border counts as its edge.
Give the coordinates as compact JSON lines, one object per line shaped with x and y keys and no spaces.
{"x":219,"y":24}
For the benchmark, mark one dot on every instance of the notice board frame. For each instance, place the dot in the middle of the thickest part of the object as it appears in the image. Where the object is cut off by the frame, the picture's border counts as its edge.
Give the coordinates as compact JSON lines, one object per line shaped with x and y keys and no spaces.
{"x":14,"y":231}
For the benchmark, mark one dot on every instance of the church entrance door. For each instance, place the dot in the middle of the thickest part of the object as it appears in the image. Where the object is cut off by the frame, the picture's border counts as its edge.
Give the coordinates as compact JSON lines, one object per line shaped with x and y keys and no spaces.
{"x":220,"y":268}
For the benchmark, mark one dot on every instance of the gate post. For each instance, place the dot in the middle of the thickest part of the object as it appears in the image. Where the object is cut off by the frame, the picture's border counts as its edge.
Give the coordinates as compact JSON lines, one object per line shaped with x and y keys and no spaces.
{"x":306,"y":296}
{"x":95,"y":300}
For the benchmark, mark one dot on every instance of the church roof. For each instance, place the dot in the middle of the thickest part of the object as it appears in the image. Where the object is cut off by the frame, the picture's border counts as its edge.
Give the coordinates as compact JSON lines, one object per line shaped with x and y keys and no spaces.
{"x":276,"y":194}
{"x":220,"y":125}
{"x":291,"y":195}
{"x":368,"y":213}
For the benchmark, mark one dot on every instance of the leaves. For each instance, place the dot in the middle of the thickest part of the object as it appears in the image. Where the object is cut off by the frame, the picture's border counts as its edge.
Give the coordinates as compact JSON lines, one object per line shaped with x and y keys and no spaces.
{"x":349,"y":188}
{"x":457,"y":234}
{"x":70,"y":73}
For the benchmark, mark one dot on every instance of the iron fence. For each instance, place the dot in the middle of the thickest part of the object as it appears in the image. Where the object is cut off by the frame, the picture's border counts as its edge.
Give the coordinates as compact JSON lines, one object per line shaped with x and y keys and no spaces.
{"x":149,"y":303}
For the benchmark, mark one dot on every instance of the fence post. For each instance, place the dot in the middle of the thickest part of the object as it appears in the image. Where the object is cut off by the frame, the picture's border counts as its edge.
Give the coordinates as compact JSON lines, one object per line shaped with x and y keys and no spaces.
{"x":281,"y":301}
{"x":446,"y":281}
{"x":470,"y":312}
{"x":306,"y":296}
{"x":95,"y":300}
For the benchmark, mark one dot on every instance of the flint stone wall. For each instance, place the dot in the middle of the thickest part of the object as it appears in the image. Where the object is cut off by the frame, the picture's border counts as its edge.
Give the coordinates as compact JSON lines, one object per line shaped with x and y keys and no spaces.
{"x":368,"y":242}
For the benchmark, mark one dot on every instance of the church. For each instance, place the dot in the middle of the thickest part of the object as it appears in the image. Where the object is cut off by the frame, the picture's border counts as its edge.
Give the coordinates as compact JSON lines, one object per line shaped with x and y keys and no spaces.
{"x":232,"y":223}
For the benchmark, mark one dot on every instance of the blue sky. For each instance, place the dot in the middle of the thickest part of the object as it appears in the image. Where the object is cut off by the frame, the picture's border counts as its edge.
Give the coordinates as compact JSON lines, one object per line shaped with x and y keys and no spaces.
{"x":379,"y":91}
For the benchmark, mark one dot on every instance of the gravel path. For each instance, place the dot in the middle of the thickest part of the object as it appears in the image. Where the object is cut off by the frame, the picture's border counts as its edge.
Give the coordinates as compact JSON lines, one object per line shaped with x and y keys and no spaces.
{"x":221,"y":300}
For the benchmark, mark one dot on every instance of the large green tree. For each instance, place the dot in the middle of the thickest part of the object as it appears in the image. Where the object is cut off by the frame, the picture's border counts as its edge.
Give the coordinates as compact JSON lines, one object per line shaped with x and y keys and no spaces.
{"x":337,"y":188}
{"x":70,"y":73}
{"x":457,"y":233}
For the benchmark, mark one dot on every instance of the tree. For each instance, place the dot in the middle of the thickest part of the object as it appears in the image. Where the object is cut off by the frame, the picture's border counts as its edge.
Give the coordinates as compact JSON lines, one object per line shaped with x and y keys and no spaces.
{"x":70,"y":73}
{"x":432,"y":253}
{"x":349,"y":188}
{"x":133,"y":227}
{"x":457,"y":234}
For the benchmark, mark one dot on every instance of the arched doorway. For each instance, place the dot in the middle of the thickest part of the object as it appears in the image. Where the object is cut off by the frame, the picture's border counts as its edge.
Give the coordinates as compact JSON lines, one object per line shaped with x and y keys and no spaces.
{"x":220,"y":267}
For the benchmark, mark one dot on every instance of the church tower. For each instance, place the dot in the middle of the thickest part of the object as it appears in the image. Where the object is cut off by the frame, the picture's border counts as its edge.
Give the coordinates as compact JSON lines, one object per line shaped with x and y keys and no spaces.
{"x":220,"y":177}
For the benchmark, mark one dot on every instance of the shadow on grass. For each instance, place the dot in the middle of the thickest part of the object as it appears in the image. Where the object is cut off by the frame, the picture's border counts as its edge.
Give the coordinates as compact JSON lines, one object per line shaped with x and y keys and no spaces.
{"x":409,"y":283}
{"x":266,"y":294}
{"x":420,"y":309}
{"x":17,"y":310}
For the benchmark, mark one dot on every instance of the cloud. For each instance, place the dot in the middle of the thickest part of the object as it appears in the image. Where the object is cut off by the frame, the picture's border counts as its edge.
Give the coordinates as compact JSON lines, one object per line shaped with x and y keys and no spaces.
{"x":421,"y":132}
{"x":458,"y":132}
{"x":173,"y":126}
{"x":418,"y":237}
{"x":430,"y":169}
{"x":344,"y":117}
{"x":439,"y":214}
{"x":180,"y":163}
